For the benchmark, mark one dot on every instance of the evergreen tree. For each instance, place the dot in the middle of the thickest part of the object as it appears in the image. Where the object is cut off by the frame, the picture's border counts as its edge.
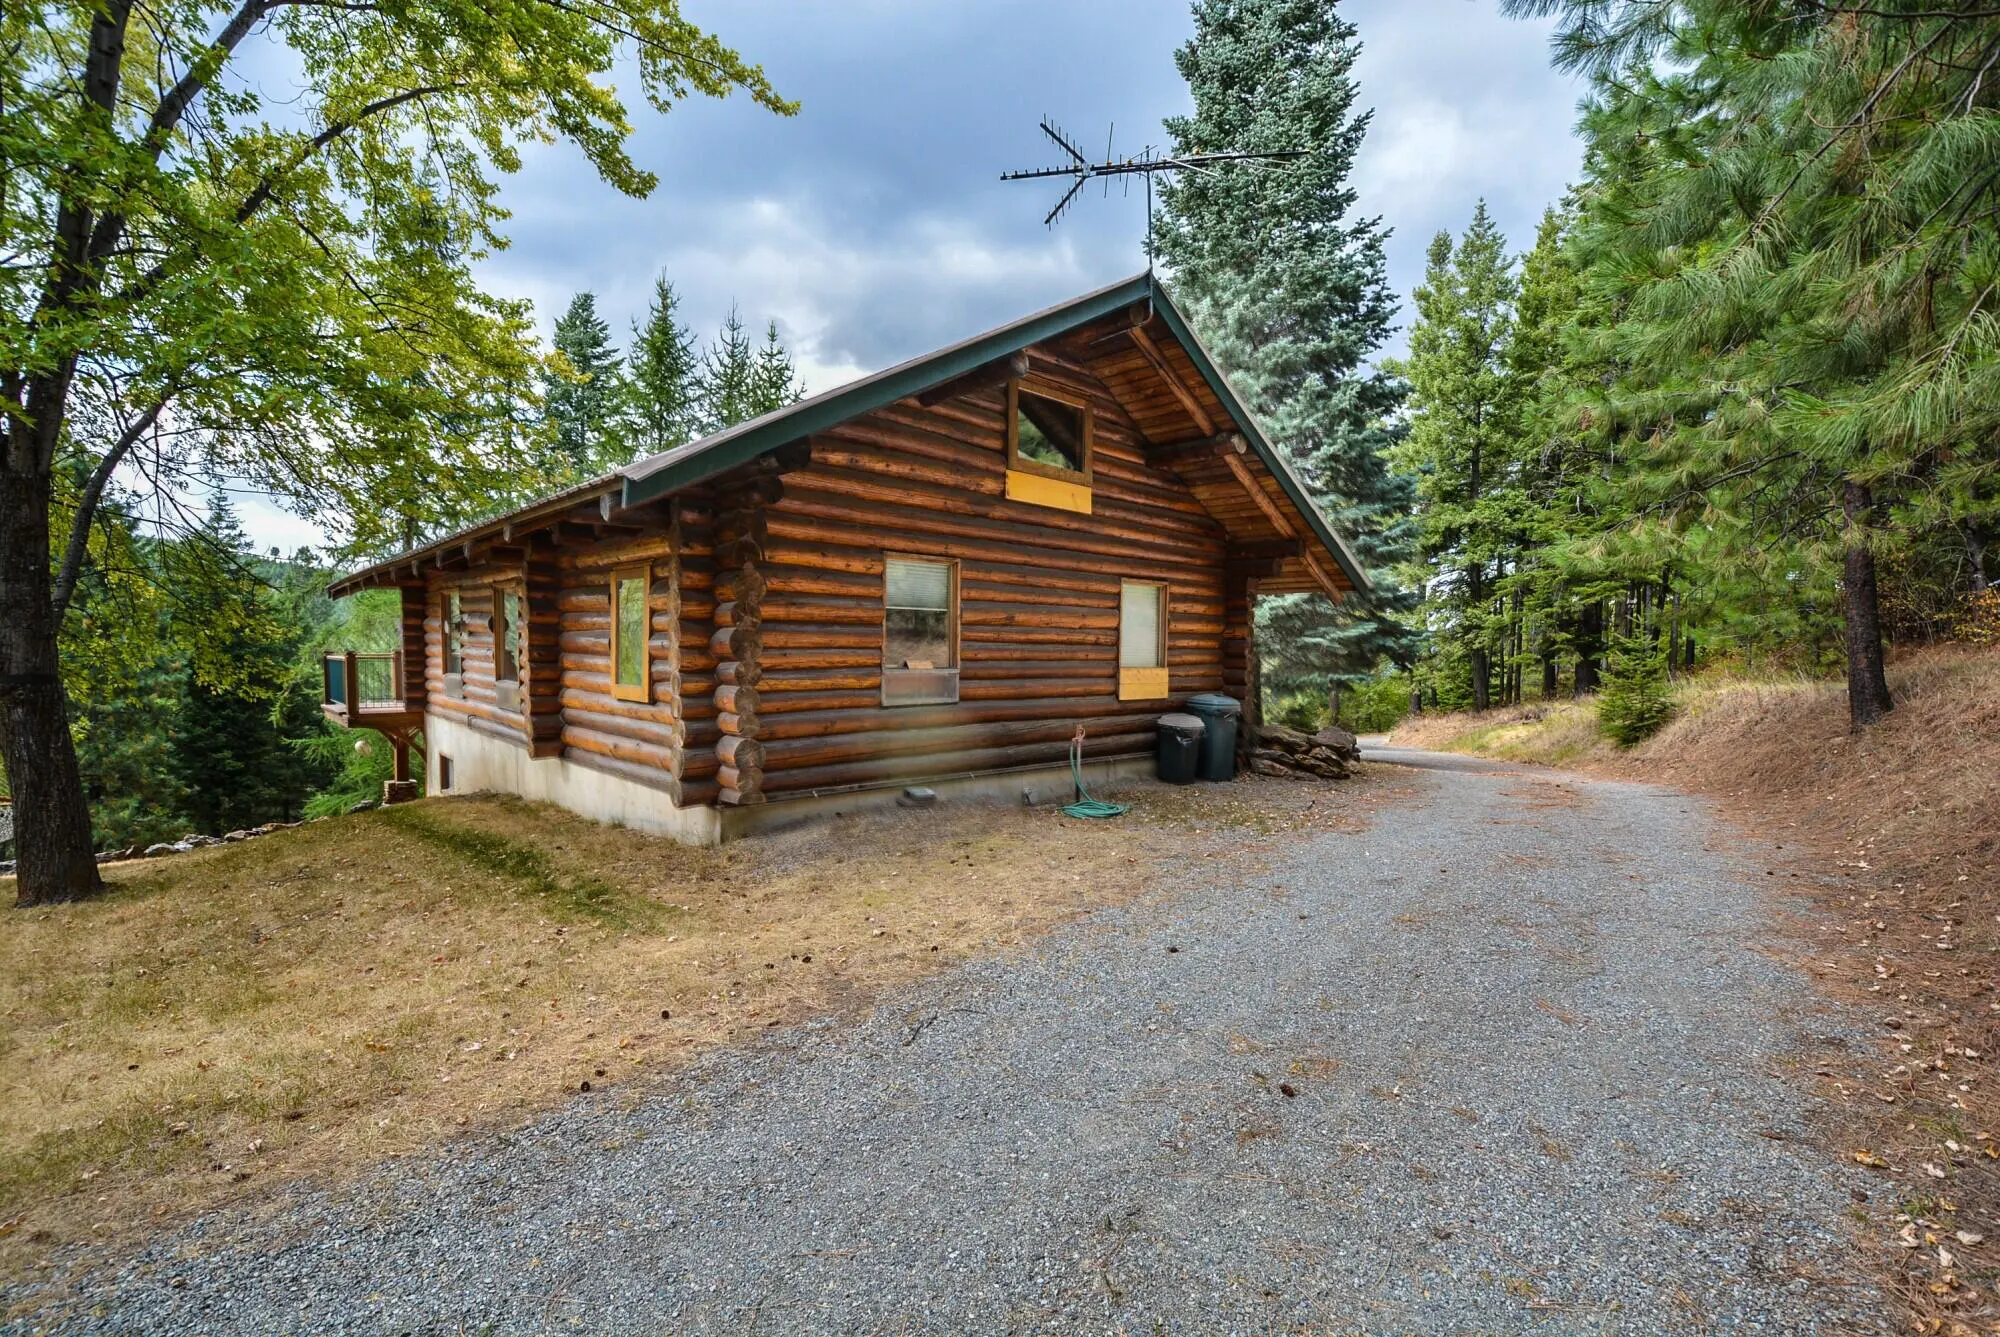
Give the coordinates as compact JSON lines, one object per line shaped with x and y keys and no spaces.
{"x":1464,"y":437}
{"x":230,"y":747}
{"x":586,"y":394}
{"x":728,"y":376}
{"x":1290,"y":293}
{"x":741,"y":380}
{"x":775,"y":382}
{"x":664,"y":375}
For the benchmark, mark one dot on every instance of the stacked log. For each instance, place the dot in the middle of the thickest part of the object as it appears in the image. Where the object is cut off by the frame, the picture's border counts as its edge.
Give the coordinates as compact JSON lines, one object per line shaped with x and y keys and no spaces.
{"x":742,"y":536}
{"x":1291,"y":754}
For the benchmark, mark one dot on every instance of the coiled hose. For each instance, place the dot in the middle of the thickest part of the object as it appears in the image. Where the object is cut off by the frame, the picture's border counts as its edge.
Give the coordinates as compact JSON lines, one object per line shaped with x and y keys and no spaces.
{"x":1085,"y":805}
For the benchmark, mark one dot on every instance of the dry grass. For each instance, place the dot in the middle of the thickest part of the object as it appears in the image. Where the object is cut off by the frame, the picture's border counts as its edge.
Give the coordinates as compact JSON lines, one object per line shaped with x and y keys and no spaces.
{"x":1896,"y":833}
{"x":304,"y":1005}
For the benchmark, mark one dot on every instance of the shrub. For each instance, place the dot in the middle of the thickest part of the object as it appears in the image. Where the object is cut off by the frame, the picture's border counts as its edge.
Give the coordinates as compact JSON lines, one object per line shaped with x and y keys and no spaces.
{"x":1376,"y":705}
{"x":1305,"y":711}
{"x":1634,"y":702}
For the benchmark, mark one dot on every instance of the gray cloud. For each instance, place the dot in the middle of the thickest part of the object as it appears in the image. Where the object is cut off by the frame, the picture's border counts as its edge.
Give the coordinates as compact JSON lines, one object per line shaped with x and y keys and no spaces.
{"x":873,"y":226}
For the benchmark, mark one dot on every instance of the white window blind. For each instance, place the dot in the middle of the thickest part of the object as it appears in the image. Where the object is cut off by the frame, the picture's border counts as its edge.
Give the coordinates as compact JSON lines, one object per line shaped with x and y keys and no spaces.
{"x":924,"y":585}
{"x":1139,"y":625}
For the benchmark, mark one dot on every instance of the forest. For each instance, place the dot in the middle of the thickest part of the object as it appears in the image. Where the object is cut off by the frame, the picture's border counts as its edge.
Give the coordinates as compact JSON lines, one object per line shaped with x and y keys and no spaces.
{"x":1733,"y":405}
{"x":192,"y":661}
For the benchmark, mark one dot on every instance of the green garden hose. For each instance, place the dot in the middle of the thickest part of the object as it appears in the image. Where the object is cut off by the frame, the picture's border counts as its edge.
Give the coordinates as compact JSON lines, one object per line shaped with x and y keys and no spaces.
{"x":1085,"y":805}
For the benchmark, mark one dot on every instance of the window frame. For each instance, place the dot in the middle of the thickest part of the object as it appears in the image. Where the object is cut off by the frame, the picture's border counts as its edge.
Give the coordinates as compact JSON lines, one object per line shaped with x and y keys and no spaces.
{"x":504,"y":627}
{"x":643,"y":689}
{"x":891,"y":676}
{"x":1147,"y":683}
{"x":451,"y":621}
{"x":1020,"y":463}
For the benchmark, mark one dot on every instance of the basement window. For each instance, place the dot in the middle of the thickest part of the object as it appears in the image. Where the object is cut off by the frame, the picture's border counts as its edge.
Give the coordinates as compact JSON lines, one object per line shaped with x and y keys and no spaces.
{"x":631,"y":665}
{"x":1142,"y":640}
{"x":919,"y":632}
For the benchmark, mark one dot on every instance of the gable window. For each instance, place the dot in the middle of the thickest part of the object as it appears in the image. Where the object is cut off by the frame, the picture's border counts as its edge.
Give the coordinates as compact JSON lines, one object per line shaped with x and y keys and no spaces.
{"x":1142,"y":640}
{"x":919,"y":632}
{"x":508,"y":647}
{"x":631,"y":665}
{"x":453,"y":615}
{"x":1049,"y":443}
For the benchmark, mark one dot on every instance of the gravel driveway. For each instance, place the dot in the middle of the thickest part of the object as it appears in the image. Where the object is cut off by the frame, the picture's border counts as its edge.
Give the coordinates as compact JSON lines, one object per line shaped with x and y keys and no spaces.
{"x":1511,"y":1060}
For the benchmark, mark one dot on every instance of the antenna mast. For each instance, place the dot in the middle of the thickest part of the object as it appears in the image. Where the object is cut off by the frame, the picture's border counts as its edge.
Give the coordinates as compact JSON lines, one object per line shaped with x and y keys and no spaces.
{"x":1081,"y":170}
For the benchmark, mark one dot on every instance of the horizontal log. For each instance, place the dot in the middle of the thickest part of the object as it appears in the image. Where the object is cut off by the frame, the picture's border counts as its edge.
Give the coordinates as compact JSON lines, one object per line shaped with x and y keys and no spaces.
{"x":740,"y":780}
{"x":734,"y":643}
{"x":739,"y":753}
{"x":664,"y":733}
{"x":576,"y":738}
{"x":936,"y":766}
{"x":743,"y":726}
{"x":737,"y":798}
{"x":794,"y":753}
{"x":736,"y":699}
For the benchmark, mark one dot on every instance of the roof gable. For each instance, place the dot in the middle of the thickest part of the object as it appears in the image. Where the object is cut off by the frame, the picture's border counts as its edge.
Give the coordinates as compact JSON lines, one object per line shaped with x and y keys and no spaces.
{"x":1212,"y":410}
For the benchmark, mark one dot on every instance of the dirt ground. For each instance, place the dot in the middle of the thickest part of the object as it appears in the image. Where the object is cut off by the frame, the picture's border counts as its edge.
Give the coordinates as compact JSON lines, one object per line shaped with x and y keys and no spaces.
{"x":1896,"y":834}
{"x":317,"y":1001}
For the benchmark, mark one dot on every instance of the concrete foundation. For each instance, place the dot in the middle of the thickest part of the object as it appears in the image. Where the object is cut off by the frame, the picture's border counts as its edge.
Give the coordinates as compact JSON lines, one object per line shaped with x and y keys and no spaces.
{"x":481,"y":762}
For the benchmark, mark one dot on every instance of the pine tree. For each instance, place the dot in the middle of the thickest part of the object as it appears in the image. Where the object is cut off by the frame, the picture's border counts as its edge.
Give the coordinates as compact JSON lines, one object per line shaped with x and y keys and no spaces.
{"x":728,"y":376}
{"x":1290,"y":292}
{"x":775,"y":383}
{"x":663,"y":375}
{"x":586,"y":393}
{"x":1464,"y":437}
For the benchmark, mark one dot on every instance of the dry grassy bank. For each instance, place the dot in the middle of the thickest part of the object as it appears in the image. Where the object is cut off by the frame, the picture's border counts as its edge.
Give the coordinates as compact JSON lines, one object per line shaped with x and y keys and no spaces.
{"x":303,"y":1005}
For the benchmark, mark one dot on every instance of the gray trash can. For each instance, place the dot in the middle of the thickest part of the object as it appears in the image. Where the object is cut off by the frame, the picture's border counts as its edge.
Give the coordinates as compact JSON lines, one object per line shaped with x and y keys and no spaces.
{"x":1180,"y":748}
{"x":1218,"y":741}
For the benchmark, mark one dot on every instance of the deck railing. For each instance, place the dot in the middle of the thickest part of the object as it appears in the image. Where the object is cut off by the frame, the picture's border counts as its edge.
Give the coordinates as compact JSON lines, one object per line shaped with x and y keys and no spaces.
{"x":362,"y":681}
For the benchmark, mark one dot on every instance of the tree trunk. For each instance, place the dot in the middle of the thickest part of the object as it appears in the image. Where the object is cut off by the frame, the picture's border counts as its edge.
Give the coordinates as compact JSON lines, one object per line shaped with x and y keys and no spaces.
{"x":1589,"y":645}
{"x":1333,"y":703}
{"x":1481,"y":680}
{"x":1867,"y":685}
{"x":1975,"y":557}
{"x":54,"y":859}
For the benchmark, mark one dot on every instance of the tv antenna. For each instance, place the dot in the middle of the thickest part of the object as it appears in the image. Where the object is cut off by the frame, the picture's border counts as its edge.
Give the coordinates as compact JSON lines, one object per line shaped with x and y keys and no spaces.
{"x":1082,"y":171}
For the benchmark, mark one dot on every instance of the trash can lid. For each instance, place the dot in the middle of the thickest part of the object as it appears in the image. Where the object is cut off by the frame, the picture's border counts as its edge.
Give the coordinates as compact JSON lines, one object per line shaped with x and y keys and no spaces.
{"x":1214,"y":703}
{"x":1185,"y":723}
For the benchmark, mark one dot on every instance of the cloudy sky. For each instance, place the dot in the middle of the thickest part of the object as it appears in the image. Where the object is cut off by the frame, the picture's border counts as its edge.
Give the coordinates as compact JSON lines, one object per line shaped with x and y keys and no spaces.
{"x":872,"y":226}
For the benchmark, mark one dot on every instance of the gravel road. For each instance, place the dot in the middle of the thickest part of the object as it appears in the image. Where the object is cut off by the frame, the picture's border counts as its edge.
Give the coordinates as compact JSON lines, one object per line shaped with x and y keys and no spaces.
{"x":1514,"y":1059}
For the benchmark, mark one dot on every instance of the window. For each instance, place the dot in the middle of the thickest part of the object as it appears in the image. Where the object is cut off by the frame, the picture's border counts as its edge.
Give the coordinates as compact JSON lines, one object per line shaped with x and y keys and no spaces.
{"x":508,"y":635}
{"x":1142,"y":641}
{"x":631,"y":665}
{"x":1048,"y":449}
{"x":454,"y":636}
{"x":919,"y":632}
{"x":444,"y":773}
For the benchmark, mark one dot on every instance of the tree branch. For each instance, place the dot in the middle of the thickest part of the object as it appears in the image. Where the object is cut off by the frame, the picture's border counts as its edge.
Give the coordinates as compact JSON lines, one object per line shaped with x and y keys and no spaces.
{"x":93,"y":493}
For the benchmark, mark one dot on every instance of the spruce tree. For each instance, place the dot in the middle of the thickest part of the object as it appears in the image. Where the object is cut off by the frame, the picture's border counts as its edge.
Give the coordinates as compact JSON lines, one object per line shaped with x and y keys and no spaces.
{"x":1464,"y":437}
{"x":775,"y":382}
{"x":728,"y":376}
{"x":586,"y":396}
{"x":663,"y":375}
{"x":1290,"y":292}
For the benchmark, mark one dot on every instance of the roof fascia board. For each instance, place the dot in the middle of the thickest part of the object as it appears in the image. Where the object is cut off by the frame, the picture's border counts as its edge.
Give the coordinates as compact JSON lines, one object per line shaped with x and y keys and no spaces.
{"x":864,"y":396}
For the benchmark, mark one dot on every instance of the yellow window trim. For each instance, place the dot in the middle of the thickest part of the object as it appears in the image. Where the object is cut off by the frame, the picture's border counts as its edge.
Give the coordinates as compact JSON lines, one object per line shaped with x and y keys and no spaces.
{"x":1142,"y":684}
{"x":1052,"y":492}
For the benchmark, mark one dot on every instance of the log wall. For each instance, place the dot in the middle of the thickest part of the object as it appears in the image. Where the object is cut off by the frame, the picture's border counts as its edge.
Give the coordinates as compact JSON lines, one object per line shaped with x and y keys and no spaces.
{"x":1038,"y":614}
{"x":765,"y":640}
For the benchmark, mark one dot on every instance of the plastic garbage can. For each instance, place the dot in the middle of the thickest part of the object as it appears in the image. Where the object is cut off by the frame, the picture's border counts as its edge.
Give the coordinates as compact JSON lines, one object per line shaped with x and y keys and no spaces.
{"x":1218,"y":740}
{"x":1180,"y":747}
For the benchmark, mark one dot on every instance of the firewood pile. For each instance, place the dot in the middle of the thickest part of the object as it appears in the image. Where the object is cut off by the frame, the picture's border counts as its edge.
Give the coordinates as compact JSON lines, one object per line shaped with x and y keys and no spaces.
{"x":1295,"y":755}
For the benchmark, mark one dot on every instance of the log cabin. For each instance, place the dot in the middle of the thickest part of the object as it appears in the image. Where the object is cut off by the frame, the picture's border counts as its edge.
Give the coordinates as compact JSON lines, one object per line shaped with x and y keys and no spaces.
{"x":936,"y":574}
